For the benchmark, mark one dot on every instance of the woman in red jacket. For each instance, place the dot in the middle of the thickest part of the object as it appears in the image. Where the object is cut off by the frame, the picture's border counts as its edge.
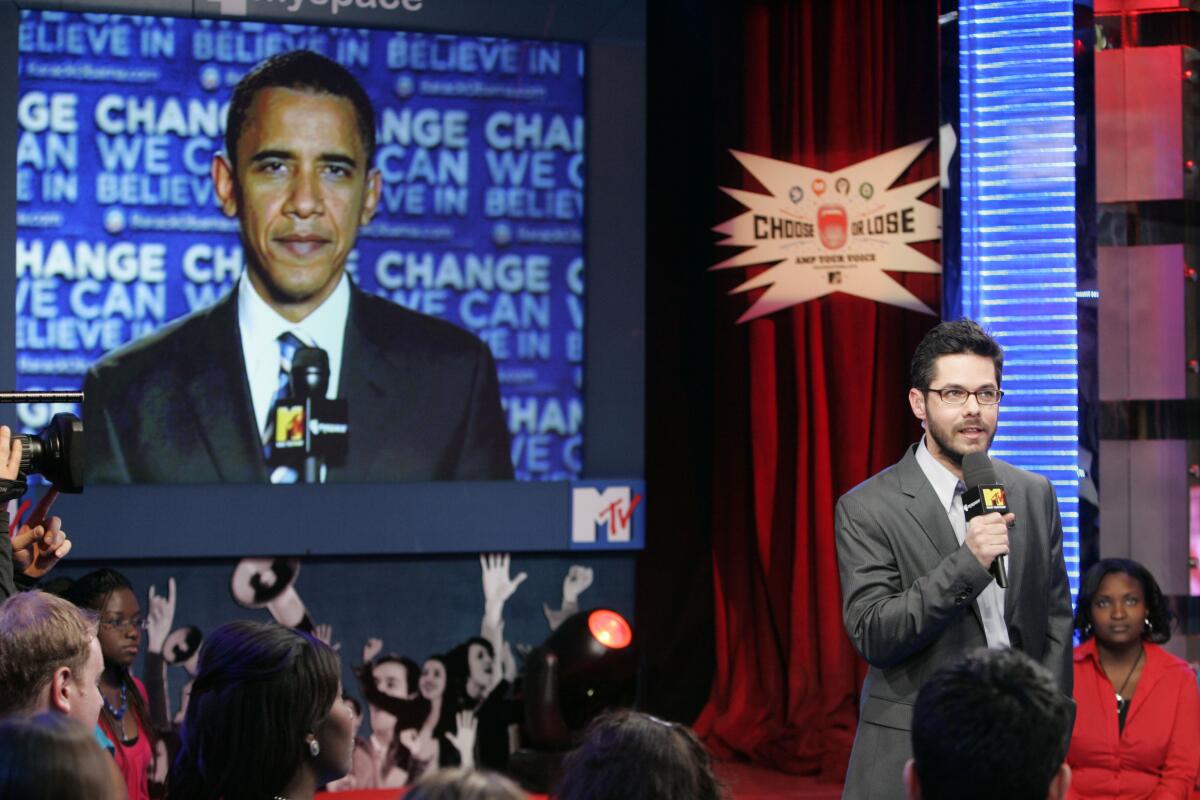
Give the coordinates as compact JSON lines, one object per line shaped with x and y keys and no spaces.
{"x":125,"y":716}
{"x":1137,"y":719}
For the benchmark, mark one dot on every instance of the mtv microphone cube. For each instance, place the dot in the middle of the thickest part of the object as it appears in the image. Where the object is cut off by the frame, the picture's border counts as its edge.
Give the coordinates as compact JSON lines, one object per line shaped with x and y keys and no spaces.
{"x":310,"y":431}
{"x":984,"y":495}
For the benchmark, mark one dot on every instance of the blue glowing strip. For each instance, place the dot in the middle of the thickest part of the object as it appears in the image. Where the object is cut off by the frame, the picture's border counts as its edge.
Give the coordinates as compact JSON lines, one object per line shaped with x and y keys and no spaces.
{"x":1006,"y":64}
{"x":1018,"y":273}
{"x":1024,"y":287}
{"x":979,"y":95}
{"x":1017,"y":140}
{"x":989,"y":198}
{"x":1019,"y":318}
{"x":1007,"y":123}
{"x":1033,"y":319}
{"x":1008,"y":301}
{"x":1038,"y":104}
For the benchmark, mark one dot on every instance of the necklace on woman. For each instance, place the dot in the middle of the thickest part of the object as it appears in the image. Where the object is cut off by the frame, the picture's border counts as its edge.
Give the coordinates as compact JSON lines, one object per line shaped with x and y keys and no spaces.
{"x":118,"y":713}
{"x":1122,"y":702}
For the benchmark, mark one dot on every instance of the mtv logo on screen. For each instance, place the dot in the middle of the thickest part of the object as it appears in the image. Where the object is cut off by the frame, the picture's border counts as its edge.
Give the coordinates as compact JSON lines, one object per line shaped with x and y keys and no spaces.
{"x":289,"y":426}
{"x":607,"y":516}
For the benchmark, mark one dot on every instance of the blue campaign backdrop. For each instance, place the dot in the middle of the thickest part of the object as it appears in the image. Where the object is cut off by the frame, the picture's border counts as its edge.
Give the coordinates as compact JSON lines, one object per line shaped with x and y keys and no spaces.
{"x":481,"y":152}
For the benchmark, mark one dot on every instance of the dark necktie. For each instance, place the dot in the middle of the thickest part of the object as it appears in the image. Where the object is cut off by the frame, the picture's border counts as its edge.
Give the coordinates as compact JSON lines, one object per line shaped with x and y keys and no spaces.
{"x":289,"y":343}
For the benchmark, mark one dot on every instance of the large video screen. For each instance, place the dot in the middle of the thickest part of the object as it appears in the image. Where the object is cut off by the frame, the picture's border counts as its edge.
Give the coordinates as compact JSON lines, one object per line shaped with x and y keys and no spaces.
{"x":163,"y":284}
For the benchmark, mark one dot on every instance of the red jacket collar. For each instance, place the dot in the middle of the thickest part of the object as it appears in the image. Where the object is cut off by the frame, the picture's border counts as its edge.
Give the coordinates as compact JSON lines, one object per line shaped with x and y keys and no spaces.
{"x":1087,"y":650}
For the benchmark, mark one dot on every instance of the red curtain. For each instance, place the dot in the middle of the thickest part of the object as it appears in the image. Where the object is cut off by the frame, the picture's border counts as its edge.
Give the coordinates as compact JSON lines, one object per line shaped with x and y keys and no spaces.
{"x":809,"y":401}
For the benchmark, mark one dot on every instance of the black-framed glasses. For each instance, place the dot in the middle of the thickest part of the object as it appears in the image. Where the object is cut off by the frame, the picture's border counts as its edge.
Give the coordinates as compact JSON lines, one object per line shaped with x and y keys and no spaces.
{"x":954,"y":396}
{"x":122,"y":624}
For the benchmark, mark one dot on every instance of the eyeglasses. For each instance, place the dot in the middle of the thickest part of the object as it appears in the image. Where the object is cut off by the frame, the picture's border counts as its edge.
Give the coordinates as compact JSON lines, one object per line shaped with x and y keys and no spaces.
{"x":122,"y":624}
{"x":956,"y":397}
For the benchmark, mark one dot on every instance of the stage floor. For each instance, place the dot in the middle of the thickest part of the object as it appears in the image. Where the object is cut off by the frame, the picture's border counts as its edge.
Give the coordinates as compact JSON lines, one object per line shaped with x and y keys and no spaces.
{"x":744,"y":782}
{"x":749,"y":782}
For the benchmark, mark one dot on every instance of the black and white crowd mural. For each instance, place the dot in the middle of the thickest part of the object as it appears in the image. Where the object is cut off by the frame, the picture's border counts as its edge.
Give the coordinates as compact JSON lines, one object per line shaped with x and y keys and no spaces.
{"x":431,"y":647}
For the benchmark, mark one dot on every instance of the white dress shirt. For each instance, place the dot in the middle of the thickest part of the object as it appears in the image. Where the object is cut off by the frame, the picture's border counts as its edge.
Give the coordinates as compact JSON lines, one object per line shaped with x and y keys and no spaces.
{"x":990,"y":601}
{"x":261,"y":327}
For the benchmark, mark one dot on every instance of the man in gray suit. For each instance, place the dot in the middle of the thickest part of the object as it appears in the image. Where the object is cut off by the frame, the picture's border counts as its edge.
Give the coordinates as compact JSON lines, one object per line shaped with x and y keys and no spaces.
{"x":917,"y":593}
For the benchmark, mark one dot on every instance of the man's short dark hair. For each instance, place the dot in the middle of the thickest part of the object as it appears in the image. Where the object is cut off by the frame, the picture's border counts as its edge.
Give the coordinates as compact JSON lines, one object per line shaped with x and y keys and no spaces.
{"x":302,"y":70}
{"x":994,"y":726}
{"x":953,"y":338}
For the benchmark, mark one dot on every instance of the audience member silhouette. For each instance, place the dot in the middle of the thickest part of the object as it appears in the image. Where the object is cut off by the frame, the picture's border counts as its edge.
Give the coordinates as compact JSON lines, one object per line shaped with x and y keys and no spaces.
{"x":992,"y":726}
{"x":50,"y":658}
{"x":266,"y":718}
{"x":627,"y":755}
{"x":53,"y":757}
{"x":464,"y":784}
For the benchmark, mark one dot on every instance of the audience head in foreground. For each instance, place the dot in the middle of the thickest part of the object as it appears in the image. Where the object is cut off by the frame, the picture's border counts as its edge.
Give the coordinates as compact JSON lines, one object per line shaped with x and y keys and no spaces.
{"x":464,"y":784}
{"x":265,"y":717}
{"x":993,"y":726}
{"x":51,"y":756}
{"x":627,"y":755}
{"x":50,"y":658}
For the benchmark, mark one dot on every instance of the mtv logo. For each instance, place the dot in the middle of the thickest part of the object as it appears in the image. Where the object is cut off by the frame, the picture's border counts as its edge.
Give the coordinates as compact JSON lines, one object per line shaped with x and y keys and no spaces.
{"x":993,"y":498}
{"x":289,"y":426}
{"x":608,"y":514}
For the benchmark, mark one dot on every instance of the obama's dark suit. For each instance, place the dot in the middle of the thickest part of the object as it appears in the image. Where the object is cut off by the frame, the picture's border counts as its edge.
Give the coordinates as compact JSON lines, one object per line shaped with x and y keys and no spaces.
{"x":175,"y":407}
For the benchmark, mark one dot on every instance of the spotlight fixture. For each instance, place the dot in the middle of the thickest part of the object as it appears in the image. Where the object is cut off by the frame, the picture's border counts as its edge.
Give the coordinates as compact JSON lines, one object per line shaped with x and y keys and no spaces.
{"x":588,"y":665}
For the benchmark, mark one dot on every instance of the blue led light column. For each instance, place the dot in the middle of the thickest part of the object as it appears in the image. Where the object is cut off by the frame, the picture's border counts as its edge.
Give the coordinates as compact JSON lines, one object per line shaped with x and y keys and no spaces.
{"x":1017,"y":139}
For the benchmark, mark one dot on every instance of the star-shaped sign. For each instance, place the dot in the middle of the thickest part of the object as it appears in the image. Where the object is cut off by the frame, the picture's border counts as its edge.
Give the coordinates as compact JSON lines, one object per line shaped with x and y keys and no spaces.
{"x":827,"y":232}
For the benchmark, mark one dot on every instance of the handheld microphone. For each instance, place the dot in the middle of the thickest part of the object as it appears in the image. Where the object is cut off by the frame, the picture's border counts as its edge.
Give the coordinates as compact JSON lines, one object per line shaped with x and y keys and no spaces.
{"x":983,"y":496}
{"x":310,"y":431}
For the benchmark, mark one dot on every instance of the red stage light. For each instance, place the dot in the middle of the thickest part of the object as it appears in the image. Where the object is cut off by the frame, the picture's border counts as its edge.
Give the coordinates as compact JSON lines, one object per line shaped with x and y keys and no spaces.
{"x":1189,"y":273}
{"x":610,"y":629}
{"x":1189,"y":165}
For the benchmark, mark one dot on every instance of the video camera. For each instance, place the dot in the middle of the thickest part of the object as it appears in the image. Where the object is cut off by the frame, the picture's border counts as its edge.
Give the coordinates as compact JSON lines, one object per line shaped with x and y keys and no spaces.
{"x":56,"y":453}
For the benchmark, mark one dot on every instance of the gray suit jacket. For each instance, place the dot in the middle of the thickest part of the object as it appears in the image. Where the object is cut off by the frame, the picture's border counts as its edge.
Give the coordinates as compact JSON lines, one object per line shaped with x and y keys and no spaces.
{"x":908,"y":592}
